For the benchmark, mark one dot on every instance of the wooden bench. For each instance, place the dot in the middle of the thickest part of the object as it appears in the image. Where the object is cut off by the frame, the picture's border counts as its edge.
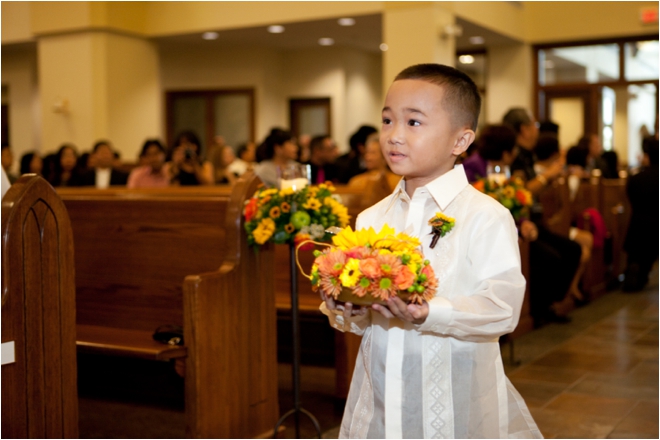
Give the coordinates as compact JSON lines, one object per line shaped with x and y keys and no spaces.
{"x":39,"y":389}
{"x":615,"y":208}
{"x":134,"y":248}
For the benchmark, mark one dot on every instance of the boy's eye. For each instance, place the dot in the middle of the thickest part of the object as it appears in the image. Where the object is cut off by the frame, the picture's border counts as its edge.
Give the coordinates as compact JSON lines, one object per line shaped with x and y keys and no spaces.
{"x":414,"y":123}
{"x":386,"y":120}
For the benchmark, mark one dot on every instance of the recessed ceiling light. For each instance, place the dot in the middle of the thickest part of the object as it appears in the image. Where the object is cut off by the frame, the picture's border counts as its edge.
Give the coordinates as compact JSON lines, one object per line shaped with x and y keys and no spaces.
{"x":384,"y":47}
{"x":466,"y":59}
{"x":477,"y":40}
{"x":346,"y":21}
{"x":210,"y":35}
{"x":326,"y":41}
{"x":276,"y":29}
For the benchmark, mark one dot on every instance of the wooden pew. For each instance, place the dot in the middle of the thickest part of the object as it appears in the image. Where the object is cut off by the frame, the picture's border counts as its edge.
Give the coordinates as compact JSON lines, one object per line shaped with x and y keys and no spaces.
{"x":134,"y":248}
{"x":615,"y":208}
{"x":39,"y":389}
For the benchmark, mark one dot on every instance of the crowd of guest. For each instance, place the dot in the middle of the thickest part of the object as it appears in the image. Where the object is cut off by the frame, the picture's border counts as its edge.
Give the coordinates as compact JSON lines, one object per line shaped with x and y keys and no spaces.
{"x":519,"y":146}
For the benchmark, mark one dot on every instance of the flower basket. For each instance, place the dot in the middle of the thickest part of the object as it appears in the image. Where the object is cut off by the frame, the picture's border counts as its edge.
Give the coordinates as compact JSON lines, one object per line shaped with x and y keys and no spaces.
{"x":347,"y":295}
{"x":293,"y":216}
{"x":365,"y":266}
{"x":509,"y":192}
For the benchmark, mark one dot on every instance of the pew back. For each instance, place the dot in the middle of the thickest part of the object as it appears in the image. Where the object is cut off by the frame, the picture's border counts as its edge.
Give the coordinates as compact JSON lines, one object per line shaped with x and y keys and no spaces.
{"x":134,"y":248}
{"x":39,"y":389}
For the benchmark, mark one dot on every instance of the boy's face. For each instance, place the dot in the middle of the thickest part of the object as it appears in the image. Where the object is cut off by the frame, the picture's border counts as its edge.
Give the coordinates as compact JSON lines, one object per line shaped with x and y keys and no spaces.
{"x":418,"y":137}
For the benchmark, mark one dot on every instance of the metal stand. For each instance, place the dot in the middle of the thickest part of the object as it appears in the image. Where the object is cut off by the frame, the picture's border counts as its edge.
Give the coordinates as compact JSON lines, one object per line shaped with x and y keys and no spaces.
{"x":297,"y":409}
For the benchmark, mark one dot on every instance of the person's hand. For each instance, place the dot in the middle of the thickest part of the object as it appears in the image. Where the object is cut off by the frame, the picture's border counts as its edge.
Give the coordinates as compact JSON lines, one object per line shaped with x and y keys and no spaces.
{"x":528,"y":230}
{"x":347,"y":308}
{"x":555,"y":169}
{"x":396,"y":307}
{"x":178,"y":155}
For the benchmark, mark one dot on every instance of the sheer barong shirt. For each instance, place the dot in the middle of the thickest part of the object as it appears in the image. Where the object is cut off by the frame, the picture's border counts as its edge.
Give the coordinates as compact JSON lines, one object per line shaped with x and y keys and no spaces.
{"x":445,"y":377}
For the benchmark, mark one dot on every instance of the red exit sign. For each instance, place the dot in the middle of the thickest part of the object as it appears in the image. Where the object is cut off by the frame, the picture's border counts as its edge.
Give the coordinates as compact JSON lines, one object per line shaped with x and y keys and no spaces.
{"x":649,"y":15}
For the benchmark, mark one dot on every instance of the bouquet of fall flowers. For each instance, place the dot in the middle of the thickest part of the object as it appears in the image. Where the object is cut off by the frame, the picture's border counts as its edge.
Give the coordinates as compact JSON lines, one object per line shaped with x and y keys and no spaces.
{"x":509,"y":192}
{"x":365,"y":266}
{"x":290,"y":216}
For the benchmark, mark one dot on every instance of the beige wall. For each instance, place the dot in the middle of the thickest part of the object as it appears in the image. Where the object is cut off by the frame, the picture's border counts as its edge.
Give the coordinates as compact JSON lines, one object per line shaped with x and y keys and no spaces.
{"x":19,"y":75}
{"x":111,"y":85}
{"x":510,"y":80}
{"x":350,"y":78}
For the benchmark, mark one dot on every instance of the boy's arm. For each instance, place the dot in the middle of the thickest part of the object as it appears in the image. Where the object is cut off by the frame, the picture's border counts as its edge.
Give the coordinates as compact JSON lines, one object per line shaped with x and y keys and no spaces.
{"x":490,"y":308}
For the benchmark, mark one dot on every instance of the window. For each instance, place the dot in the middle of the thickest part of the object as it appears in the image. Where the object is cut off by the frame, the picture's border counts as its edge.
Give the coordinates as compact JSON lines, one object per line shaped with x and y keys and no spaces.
{"x":210,"y":113}
{"x":582,"y":64}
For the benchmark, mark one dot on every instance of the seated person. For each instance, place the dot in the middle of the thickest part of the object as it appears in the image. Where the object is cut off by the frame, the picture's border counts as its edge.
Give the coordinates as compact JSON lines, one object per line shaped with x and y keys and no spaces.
{"x":352,"y":163}
{"x":103,"y":174}
{"x":186,"y":166}
{"x":576,"y":166}
{"x":151,"y":173}
{"x":642,"y":237}
{"x":322,"y":156}
{"x":62,"y":167}
{"x":245,"y":159}
{"x":32,"y":163}
{"x":548,"y":155}
{"x":279,"y":149}
{"x":7,"y":162}
{"x":223,"y":159}
{"x":376,"y":166}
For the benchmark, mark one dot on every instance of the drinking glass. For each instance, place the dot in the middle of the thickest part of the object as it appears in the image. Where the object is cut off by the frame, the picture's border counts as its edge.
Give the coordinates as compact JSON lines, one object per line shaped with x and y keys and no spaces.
{"x":296,"y":176}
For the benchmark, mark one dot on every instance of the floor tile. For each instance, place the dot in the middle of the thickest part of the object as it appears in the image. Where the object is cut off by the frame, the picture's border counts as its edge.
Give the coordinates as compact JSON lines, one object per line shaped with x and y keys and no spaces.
{"x":604,"y":363}
{"x":611,"y":407}
{"x":537,"y":394}
{"x":564,"y":376}
{"x":559,"y":424}
{"x":643,"y":419}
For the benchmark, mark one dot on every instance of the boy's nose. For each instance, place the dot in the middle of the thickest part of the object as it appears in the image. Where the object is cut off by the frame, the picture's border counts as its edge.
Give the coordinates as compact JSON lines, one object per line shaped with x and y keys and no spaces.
{"x":395,"y":135}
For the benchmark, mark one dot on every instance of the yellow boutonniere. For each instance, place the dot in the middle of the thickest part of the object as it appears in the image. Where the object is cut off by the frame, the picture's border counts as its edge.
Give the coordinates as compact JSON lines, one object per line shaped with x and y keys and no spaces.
{"x":440,"y":226}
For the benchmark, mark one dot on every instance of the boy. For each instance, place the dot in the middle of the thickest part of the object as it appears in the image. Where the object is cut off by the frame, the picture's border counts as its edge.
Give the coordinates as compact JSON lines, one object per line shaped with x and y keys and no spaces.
{"x":434,"y":370}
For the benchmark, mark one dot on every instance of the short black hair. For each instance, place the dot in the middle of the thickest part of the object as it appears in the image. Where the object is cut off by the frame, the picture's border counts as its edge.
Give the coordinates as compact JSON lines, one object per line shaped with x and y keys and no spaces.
{"x":494,"y":140}
{"x":516,"y":117}
{"x":461,"y":99}
{"x":317,"y":142}
{"x":650,"y":148}
{"x":577,"y":156}
{"x":148,"y":143}
{"x":26,"y":160}
{"x":546,"y":146}
{"x":277,"y":136}
{"x":100,"y":143}
{"x":360,"y":136}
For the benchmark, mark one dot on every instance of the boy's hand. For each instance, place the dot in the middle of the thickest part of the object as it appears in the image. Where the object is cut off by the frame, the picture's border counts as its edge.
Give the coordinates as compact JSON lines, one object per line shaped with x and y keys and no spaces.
{"x":406,"y":312}
{"x":347,"y":308}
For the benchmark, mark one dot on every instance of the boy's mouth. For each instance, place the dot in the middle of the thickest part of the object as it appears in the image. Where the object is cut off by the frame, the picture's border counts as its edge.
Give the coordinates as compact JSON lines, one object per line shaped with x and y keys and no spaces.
{"x":396,"y":156}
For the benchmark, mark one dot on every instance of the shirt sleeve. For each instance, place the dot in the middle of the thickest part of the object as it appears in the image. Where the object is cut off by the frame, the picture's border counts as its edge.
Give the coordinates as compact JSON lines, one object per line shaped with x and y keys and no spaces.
{"x":491,"y":288}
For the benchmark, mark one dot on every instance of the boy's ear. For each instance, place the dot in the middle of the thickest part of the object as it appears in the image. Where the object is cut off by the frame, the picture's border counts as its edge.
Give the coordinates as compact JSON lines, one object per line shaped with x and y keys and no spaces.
{"x":464,"y":140}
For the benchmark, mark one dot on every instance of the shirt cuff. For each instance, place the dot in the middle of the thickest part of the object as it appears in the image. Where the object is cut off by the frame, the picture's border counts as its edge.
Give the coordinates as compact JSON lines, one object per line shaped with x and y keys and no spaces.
{"x":439,"y":316}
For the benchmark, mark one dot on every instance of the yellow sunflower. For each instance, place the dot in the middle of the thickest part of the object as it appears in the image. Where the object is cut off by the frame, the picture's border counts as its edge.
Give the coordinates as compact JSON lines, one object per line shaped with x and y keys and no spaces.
{"x":351,"y":273}
{"x":274,"y":212}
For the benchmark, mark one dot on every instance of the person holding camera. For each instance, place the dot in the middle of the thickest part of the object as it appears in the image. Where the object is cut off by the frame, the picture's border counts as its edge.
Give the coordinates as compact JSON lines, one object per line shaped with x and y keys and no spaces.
{"x":186,"y":166}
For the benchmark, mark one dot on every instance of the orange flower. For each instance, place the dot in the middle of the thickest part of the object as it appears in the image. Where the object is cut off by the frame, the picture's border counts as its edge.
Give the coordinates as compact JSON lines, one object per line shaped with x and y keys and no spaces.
{"x":405,"y":278}
{"x":479,"y":185}
{"x":522,"y":198}
{"x":331,"y":263}
{"x":285,"y":207}
{"x":330,"y":286}
{"x":250,"y":209}
{"x":371,"y":268}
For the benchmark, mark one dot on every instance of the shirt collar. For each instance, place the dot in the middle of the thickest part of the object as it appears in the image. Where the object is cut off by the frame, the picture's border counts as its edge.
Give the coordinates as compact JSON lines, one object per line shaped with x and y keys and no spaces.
{"x":443,"y":189}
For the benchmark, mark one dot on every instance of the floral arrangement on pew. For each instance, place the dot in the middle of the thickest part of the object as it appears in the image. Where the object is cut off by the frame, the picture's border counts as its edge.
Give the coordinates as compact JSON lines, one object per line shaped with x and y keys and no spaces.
{"x":293,"y":216}
{"x":365,"y":266}
{"x":509,"y":192}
